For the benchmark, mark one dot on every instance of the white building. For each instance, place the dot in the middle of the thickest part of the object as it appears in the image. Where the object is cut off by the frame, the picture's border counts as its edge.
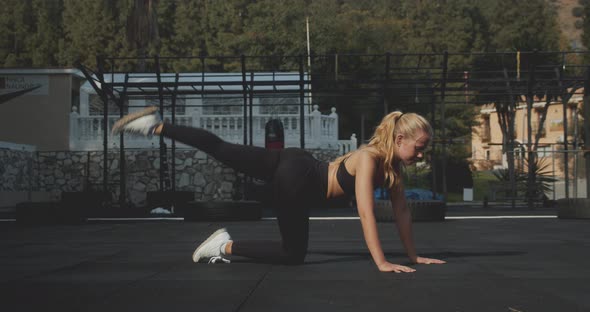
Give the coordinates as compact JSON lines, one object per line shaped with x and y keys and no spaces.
{"x":217,"y":104}
{"x":65,"y":113}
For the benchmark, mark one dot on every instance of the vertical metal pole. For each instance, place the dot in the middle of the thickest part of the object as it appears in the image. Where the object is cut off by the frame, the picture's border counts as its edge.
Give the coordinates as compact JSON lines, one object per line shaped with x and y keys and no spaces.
{"x":443,"y":87}
{"x":122,"y":160}
{"x":386,"y":82}
{"x":162,"y":144}
{"x":433,"y":157}
{"x":251,"y":98}
{"x":310,"y":109}
{"x":575,"y":148}
{"x":245,"y":96}
{"x":553,"y":167}
{"x":105,"y":125}
{"x":336,"y":66}
{"x":202,"y":86}
{"x":301,"y":102}
{"x":100,"y":91}
{"x":362,"y":128}
{"x":565,"y":98}
{"x":173,"y":165}
{"x":510,"y":154}
{"x":587,"y":127}
{"x":529,"y":107}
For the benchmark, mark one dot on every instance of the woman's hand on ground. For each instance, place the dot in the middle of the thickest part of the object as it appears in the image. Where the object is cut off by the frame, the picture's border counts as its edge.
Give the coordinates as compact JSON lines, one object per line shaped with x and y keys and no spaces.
{"x":421,"y":260}
{"x":390,"y":267}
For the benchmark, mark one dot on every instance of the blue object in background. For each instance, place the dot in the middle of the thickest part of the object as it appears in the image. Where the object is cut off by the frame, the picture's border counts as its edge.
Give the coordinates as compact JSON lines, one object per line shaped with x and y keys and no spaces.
{"x":381,"y":193}
{"x":414,"y":194}
{"x":421,"y":194}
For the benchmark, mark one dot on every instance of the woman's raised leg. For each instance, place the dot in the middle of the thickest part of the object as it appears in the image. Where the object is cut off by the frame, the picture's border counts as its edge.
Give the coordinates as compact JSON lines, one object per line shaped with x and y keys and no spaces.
{"x":253,"y":161}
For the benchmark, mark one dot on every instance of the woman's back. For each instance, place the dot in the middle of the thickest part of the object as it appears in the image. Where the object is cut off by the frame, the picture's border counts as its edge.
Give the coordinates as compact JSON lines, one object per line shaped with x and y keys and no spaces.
{"x":342,"y":173}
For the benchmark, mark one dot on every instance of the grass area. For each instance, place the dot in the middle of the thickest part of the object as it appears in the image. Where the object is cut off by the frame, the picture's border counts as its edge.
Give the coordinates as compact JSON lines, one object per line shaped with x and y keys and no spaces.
{"x":454,"y":197}
{"x":481,"y":185}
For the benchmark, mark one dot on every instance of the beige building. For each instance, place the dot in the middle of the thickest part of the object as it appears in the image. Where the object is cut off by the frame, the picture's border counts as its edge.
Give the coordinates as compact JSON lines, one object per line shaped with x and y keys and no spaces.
{"x":487,"y":136}
{"x":39,"y":117}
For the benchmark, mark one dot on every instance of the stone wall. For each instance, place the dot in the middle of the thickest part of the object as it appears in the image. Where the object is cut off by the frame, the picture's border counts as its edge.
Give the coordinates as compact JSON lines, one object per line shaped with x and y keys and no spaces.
{"x":56,"y":172}
{"x":16,"y":170}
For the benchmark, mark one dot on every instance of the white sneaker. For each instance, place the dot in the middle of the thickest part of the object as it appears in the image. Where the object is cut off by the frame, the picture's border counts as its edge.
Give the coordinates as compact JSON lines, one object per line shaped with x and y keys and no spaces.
{"x":211,"y":247}
{"x":143,"y":122}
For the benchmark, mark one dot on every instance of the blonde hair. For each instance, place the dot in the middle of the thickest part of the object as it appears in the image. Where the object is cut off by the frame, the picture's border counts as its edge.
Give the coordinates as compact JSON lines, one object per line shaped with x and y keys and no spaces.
{"x":383,"y":140}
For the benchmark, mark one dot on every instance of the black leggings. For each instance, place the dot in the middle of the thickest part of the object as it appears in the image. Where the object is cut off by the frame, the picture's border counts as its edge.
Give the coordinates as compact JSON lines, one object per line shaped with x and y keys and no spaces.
{"x":296,"y":180}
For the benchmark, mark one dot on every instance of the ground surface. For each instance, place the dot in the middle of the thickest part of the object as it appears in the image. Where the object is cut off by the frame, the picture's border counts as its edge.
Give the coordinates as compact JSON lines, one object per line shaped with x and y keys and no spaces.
{"x":529,"y":264}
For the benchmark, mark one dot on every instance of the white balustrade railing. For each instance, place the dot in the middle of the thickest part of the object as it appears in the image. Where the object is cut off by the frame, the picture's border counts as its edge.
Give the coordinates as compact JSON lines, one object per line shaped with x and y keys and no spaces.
{"x":346,"y":146}
{"x":321,"y":131}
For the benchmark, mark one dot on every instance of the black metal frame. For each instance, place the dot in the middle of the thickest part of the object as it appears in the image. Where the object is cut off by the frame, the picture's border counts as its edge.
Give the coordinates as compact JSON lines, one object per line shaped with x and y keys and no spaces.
{"x":441,"y":85}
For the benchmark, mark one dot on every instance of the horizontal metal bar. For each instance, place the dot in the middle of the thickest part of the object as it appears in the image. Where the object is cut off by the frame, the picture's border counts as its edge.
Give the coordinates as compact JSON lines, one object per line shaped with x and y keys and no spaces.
{"x":392,"y":54}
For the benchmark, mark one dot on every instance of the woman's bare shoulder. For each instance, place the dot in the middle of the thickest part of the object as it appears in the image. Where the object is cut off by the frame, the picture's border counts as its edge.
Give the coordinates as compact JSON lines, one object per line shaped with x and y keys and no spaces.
{"x":365,"y":155}
{"x":368,"y":152}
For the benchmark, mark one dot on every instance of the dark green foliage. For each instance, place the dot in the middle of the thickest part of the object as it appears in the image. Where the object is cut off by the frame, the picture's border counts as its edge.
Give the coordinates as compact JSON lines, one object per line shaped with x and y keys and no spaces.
{"x":511,"y":30}
{"x":586,"y":26}
{"x":542,"y":179}
{"x":437,"y":26}
{"x":46,"y":33}
{"x":17,"y":26}
{"x":93,"y":28}
{"x":59,"y":32}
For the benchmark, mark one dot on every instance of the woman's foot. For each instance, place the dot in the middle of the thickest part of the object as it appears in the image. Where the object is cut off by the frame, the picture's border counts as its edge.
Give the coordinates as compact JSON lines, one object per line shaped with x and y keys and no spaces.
{"x":143,"y":122}
{"x":213,"y":247}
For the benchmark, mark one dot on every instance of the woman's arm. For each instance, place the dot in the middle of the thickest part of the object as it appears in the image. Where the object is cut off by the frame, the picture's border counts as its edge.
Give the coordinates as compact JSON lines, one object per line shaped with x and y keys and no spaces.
{"x":365,"y":172}
{"x":403,"y":219}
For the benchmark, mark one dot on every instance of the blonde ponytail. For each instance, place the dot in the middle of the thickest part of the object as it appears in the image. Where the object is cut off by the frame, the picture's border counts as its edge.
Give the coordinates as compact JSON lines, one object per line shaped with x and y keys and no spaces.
{"x":383,"y":140}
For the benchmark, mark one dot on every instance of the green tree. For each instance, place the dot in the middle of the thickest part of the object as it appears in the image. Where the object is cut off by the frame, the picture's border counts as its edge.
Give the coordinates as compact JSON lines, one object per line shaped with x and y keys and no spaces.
{"x":16,"y":26}
{"x":97,"y":28}
{"x":48,"y":28}
{"x":225,"y":23}
{"x":325,"y":34}
{"x":453,"y":25}
{"x":366,"y":28}
{"x":142,"y":29}
{"x":276,"y":28}
{"x":223,"y":35}
{"x":165,"y":47}
{"x":511,"y":30}
{"x":586,"y":25}
{"x":188,"y":38}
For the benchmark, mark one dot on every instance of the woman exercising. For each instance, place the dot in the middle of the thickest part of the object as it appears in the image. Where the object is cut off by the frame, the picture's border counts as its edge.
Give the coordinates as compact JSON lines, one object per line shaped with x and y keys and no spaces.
{"x":299,"y":182}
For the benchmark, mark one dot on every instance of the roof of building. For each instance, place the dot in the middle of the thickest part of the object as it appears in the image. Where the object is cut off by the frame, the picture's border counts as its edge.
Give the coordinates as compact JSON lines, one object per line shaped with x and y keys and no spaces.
{"x":196,"y":82}
{"x":41,"y":71}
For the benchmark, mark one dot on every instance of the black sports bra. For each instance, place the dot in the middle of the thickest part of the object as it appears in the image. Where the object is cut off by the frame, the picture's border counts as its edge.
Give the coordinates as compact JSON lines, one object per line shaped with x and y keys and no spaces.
{"x":345,"y":180}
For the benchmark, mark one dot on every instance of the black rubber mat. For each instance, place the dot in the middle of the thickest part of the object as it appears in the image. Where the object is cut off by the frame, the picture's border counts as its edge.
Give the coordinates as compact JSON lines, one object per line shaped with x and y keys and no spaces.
{"x":493,"y":265}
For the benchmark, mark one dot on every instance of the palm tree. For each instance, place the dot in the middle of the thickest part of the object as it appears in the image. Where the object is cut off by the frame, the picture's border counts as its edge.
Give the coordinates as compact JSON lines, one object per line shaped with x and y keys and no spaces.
{"x":542,"y":181}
